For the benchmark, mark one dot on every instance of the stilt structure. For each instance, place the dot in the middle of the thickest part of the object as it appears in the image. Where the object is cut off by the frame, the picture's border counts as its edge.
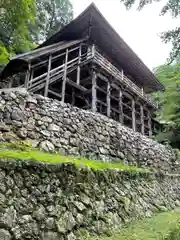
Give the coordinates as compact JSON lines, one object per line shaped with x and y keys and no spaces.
{"x":88,"y":65}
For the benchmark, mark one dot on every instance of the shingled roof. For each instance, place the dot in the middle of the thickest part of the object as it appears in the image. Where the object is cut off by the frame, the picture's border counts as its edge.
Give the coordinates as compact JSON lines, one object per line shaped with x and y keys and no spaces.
{"x":92,"y":23}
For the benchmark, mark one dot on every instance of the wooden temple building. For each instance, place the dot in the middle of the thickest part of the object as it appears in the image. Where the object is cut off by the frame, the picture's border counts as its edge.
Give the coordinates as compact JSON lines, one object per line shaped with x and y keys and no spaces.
{"x":88,"y":65}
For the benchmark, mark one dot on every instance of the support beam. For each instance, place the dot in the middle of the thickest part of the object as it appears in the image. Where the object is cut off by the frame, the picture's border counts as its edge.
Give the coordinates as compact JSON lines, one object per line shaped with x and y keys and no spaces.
{"x":149,"y":124}
{"x":27,"y":76}
{"x":127,"y":117}
{"x":142,"y":119}
{"x":102,"y":77}
{"x":127,"y":106}
{"x":64,"y":78}
{"x":75,"y":85}
{"x":48,"y":75}
{"x":54,"y":93}
{"x":108,"y":99}
{"x":120,"y":107}
{"x":78,"y":68}
{"x":133,"y":115}
{"x":94,"y":94}
{"x":86,"y":81}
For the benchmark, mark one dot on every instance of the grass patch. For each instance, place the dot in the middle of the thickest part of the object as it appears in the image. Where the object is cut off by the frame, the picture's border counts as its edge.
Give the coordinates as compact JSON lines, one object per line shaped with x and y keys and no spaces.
{"x":40,"y":156}
{"x":174,"y":234}
{"x":158,"y":227}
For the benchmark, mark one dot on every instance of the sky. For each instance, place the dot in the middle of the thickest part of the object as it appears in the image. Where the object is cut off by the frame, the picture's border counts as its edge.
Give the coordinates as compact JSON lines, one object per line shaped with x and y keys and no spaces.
{"x":140,"y":30}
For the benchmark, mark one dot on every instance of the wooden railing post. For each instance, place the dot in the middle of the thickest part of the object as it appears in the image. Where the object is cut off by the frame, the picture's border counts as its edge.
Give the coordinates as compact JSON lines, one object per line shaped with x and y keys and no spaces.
{"x":93,"y":50}
{"x":142,"y":91}
{"x":48,"y":75}
{"x":64,"y":78}
{"x":122,"y":74}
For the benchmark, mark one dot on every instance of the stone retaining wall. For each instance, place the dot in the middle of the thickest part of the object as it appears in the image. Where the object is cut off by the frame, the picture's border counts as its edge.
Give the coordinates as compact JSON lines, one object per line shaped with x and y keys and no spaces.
{"x":61,"y":202}
{"x":54,"y":126}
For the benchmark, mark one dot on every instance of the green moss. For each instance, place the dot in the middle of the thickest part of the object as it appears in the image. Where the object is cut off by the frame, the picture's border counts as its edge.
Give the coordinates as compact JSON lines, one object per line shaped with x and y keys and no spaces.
{"x":158,"y":227}
{"x":25,"y":152}
{"x":82,"y":234}
{"x":174,"y":234}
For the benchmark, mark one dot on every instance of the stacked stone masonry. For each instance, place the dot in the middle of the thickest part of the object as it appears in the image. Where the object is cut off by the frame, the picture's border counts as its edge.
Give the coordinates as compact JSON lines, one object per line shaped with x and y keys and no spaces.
{"x":54,"y":126}
{"x":61,"y":202}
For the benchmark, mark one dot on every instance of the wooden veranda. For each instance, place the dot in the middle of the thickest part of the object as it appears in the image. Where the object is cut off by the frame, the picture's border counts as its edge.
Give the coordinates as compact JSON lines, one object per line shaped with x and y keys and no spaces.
{"x":88,"y":65}
{"x":77,"y":73}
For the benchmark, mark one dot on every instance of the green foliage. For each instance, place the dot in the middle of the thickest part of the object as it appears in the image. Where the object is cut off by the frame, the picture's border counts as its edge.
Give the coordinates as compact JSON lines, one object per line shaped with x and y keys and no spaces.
{"x":169,"y":75}
{"x":157,"y":228}
{"x":24,"y":151}
{"x":171,"y":7}
{"x":14,"y":18}
{"x":169,"y":115}
{"x":51,"y":16}
{"x":25,"y":23}
{"x":3,"y":54}
{"x":174,"y":234}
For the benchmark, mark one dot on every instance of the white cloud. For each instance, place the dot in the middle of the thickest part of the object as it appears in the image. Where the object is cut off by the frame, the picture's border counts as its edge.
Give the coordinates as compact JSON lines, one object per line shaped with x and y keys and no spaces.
{"x":139,"y":29}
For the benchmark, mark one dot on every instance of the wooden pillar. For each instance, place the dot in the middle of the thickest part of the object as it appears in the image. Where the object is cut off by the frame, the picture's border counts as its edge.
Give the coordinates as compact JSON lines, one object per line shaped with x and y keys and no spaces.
{"x":64,"y":77}
{"x":31,"y":77}
{"x":73,"y":98}
{"x":133,"y":115}
{"x":142,"y":119}
{"x":120,"y":106}
{"x":94,"y":95}
{"x":10,"y":83}
{"x":27,"y":76}
{"x":149,"y":123}
{"x":78,"y":68}
{"x":48,"y":75}
{"x":108,"y":99}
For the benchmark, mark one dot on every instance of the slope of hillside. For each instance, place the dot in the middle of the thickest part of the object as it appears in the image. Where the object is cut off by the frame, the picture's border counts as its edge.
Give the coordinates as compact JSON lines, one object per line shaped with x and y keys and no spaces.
{"x":157,"y":228}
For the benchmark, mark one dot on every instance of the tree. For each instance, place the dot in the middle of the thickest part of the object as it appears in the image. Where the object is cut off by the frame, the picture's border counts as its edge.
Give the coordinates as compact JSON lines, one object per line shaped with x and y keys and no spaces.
{"x":173,"y":36}
{"x":169,"y":75}
{"x":51,"y":16}
{"x":26,"y":22}
{"x":15,"y":15}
